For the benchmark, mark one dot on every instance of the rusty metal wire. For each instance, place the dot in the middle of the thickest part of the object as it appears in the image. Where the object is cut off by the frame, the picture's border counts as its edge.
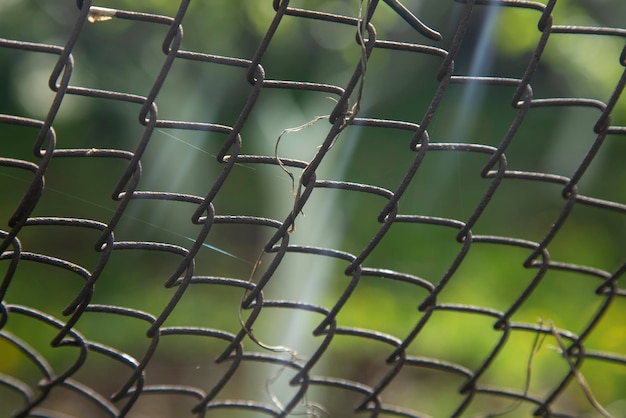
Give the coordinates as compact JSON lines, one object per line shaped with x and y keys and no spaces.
{"x":104,"y":350}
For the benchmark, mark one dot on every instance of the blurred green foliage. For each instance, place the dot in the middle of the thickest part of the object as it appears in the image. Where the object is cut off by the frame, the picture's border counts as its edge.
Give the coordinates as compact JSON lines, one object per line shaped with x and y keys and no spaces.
{"x":125,"y":56}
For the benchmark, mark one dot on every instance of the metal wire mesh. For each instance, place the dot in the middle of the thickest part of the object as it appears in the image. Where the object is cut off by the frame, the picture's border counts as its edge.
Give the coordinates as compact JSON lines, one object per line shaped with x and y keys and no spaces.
{"x":343,"y":261}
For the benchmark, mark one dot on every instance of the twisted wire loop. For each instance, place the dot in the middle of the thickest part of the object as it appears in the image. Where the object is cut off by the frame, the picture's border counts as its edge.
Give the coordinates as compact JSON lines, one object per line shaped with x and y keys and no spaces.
{"x":87,"y":294}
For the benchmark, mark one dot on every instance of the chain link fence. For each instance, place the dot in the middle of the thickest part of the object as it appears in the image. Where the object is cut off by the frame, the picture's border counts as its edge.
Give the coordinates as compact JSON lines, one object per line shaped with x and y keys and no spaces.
{"x":312,"y":208}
